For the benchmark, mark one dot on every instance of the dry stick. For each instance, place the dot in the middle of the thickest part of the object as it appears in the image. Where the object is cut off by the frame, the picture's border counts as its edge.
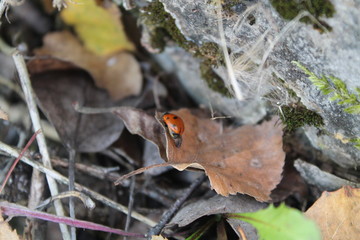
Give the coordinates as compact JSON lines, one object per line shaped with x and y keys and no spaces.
{"x":11,"y":209}
{"x":91,"y":170}
{"x":138,"y":171}
{"x":88,"y":202}
{"x":71,"y":173}
{"x":18,"y":158}
{"x":130,"y":205}
{"x":55,"y":175}
{"x":174,"y":208}
{"x":34,"y":114}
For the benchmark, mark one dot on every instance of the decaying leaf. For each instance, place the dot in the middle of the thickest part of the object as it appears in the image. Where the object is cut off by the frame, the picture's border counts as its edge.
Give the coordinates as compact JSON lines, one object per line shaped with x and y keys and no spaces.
{"x":337,"y":214}
{"x":57,"y":90}
{"x":119,"y":73}
{"x":220,"y":205}
{"x":5,"y":231}
{"x":100,"y":29}
{"x":246,"y":160}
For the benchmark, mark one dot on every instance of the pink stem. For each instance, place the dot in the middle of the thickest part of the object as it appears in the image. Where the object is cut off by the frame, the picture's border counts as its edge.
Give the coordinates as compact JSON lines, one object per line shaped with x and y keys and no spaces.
{"x":11,"y":209}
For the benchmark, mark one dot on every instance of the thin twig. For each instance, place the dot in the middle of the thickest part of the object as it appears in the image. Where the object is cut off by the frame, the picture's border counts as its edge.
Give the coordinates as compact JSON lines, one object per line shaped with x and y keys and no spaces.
{"x":60,"y":178}
{"x":85,"y":199}
{"x":18,"y":158}
{"x":138,"y":171}
{"x":71,"y":173}
{"x":11,"y":209}
{"x":34,"y":114}
{"x":130,"y":204}
{"x":92,"y":170}
{"x":174,"y":208}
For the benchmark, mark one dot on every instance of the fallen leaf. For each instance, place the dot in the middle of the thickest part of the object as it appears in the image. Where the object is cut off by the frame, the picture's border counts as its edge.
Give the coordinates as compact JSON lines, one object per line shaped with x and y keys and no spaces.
{"x":119,"y":73}
{"x":6,"y":233}
{"x":337,"y":214}
{"x":100,"y":29}
{"x":140,"y":123}
{"x":248,"y":159}
{"x":57,"y":90}
{"x":219,"y":205}
{"x":281,"y":223}
{"x":158,"y":237}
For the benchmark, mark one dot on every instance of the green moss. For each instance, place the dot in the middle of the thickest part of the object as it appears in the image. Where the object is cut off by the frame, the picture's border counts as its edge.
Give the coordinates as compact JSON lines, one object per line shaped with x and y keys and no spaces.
{"x":160,"y":21}
{"x":229,"y":5}
{"x":163,"y":28}
{"x":213,"y":80}
{"x":211,"y":54}
{"x":298,"y":116}
{"x":289,"y":9}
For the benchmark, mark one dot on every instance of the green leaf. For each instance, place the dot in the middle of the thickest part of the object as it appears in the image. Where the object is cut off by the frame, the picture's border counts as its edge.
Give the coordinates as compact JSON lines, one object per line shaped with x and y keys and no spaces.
{"x":335,"y":97}
{"x":347,"y":101}
{"x":353,"y":109}
{"x":338,"y":83}
{"x":327,"y":91}
{"x":281,"y":223}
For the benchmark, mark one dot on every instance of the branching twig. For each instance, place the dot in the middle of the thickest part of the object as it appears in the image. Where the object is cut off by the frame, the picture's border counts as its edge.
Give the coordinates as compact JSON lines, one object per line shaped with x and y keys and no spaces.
{"x":34,"y":114}
{"x":174,"y":208}
{"x":60,"y":178}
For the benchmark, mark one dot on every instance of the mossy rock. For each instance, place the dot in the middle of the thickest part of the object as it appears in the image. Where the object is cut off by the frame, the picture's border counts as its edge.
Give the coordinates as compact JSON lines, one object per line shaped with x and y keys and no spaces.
{"x":298,"y":116}
{"x":289,"y":9}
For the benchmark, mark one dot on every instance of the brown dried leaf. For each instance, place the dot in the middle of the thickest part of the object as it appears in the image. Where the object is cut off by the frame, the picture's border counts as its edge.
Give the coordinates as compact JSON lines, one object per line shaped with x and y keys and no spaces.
{"x":5,"y":231}
{"x":246,"y":160}
{"x":57,"y":90}
{"x":220,"y":205}
{"x":119,"y":74}
{"x":337,"y":214}
{"x":140,"y":123}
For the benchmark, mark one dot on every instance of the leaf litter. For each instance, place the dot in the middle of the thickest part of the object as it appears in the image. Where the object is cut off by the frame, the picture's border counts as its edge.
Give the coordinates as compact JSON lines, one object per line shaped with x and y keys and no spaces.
{"x":58,"y":85}
{"x":118,"y":73}
{"x":247,"y":159}
{"x":337,"y":213}
{"x":219,"y":205}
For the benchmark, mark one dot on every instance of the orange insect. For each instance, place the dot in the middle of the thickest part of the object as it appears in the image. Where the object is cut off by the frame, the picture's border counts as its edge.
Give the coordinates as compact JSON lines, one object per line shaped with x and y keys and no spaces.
{"x":175,"y":125}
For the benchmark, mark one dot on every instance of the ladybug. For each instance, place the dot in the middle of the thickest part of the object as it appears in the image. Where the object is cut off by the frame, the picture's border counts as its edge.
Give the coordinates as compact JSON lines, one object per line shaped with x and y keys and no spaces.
{"x":175,"y":125}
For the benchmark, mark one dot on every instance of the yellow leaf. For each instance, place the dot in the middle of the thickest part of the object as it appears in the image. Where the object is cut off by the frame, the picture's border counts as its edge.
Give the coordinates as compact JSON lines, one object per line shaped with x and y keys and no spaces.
{"x":100,"y":29}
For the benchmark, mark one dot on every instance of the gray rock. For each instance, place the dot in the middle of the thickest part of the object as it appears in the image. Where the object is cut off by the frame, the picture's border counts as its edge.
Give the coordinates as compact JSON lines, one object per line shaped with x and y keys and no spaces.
{"x":265,"y":49}
{"x":323,"y":180}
